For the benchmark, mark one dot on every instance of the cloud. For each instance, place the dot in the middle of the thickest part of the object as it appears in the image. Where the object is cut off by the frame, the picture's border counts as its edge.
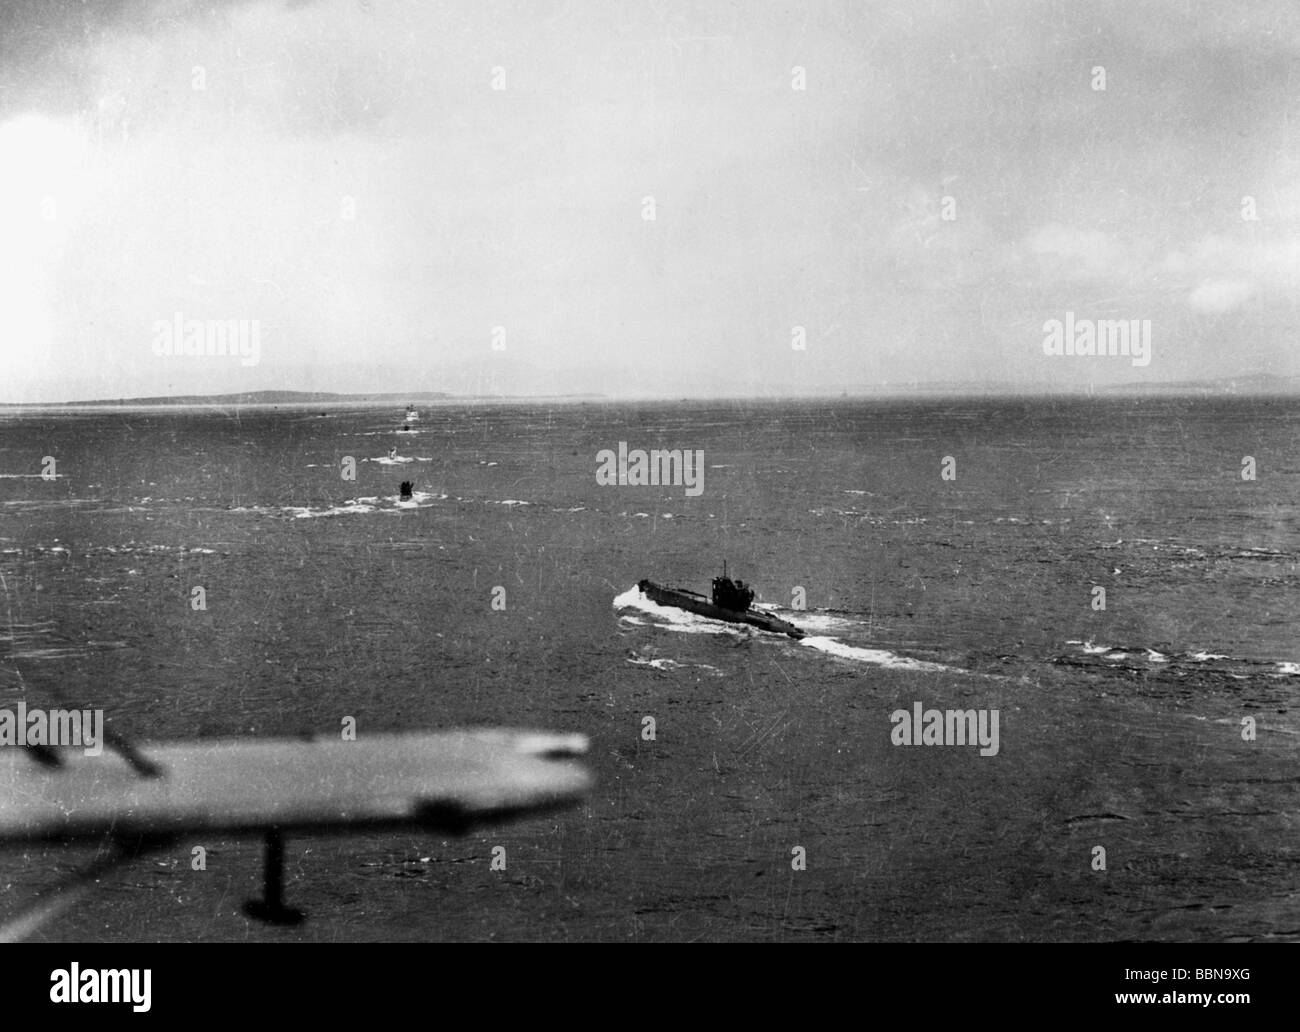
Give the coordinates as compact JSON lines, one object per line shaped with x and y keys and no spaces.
{"x":1215,"y":296}
{"x":1275,"y":263}
{"x":1072,"y":253}
{"x":41,"y":194}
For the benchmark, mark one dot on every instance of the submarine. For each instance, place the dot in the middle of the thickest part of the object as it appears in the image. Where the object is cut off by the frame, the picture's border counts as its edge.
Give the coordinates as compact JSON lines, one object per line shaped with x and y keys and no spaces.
{"x":730,"y":601}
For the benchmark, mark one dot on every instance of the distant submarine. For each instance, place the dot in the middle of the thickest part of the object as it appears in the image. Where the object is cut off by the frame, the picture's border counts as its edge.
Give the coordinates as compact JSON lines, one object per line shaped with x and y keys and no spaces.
{"x":730,"y":602}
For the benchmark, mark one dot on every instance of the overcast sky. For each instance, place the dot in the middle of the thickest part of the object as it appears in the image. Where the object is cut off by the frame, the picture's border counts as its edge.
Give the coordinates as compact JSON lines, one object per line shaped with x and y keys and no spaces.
{"x":345,"y":173}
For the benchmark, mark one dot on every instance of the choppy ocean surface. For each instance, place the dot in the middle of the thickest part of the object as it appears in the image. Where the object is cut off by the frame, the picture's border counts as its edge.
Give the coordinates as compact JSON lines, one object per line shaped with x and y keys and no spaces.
{"x":329,"y":597}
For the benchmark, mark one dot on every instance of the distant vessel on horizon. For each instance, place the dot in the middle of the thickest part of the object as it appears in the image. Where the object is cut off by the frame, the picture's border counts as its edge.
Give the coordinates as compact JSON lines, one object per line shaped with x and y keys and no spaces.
{"x":411,"y":415}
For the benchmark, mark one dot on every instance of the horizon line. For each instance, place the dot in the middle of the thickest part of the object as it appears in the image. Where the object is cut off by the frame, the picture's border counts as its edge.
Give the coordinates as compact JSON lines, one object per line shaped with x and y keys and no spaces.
{"x":1226,"y":388}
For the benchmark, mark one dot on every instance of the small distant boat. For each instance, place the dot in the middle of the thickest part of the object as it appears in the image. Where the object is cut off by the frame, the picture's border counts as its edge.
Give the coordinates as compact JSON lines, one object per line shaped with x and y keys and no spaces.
{"x":393,"y":459}
{"x":730,"y":601}
{"x":411,"y":415}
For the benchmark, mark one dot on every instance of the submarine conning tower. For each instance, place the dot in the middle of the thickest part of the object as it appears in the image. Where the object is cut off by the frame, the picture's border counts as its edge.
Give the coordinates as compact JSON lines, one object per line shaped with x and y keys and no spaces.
{"x":729,"y":594}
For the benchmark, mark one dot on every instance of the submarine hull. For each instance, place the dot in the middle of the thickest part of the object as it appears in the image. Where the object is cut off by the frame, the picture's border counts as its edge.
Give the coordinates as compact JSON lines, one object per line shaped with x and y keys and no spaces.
{"x":698,"y":604}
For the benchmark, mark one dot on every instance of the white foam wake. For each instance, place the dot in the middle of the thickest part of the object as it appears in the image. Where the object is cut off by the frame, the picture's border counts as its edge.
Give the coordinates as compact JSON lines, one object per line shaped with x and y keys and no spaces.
{"x":815,"y":623}
{"x":354,"y":506}
{"x":397,"y":460}
{"x":876,"y":657}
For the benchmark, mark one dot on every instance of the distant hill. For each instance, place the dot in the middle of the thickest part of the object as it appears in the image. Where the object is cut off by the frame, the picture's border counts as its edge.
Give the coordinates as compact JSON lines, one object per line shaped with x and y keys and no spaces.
{"x":269,"y":398}
{"x":273,"y":398}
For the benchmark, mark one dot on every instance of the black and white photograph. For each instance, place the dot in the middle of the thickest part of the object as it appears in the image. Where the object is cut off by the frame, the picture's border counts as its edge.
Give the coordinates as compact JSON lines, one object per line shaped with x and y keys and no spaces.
{"x":650,"y":472}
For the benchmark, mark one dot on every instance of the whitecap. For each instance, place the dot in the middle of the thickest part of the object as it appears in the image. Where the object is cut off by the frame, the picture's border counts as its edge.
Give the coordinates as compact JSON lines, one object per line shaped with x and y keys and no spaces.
{"x":305,"y":513}
{"x":658,"y":664}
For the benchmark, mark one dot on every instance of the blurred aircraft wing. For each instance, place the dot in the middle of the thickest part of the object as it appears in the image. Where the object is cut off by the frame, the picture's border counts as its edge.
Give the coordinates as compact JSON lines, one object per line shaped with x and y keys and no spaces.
{"x":447,"y":781}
